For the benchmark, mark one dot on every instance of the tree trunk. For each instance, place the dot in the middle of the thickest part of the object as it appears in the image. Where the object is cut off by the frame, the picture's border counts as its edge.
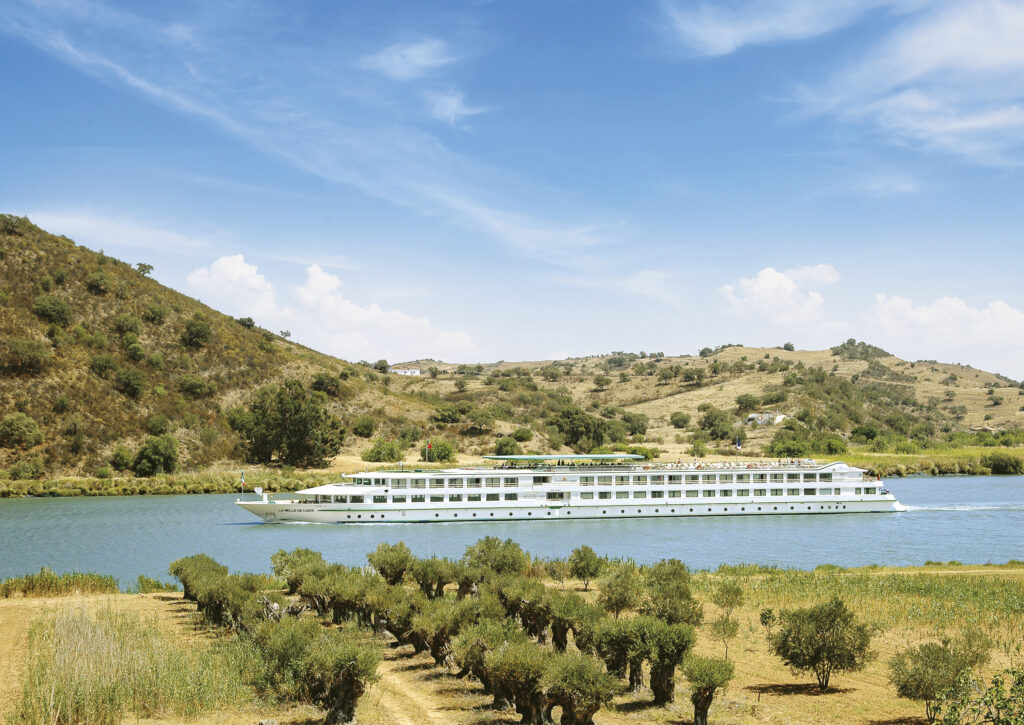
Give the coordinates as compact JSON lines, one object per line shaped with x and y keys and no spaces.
{"x":663,"y":683}
{"x":636,"y":675}
{"x":559,"y":636}
{"x":341,"y":701}
{"x":701,"y":704}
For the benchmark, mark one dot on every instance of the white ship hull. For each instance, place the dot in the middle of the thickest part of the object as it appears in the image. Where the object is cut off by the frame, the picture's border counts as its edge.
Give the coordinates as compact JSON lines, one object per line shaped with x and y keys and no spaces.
{"x":301,"y":511}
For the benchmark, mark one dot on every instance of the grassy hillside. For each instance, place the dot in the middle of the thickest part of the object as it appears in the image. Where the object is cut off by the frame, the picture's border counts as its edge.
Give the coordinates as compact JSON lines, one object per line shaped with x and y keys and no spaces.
{"x":100,"y":356}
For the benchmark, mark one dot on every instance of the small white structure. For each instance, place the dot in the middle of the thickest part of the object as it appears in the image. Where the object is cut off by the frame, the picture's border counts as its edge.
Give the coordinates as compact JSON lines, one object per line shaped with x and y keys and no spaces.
{"x":766,"y":418}
{"x":404,"y":371}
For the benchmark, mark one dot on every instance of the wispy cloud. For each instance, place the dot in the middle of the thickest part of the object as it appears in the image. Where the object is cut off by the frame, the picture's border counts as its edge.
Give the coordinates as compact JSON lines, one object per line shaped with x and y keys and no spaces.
{"x":406,"y":61}
{"x":309,"y":107}
{"x":450,"y":107}
{"x":105,"y":231}
{"x":724,"y":27}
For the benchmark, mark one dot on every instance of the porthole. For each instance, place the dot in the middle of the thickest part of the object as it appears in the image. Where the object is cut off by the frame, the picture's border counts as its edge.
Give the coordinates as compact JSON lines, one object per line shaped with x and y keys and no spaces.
{"x":758,"y":508}
{"x":509,"y":513}
{"x":743,"y":508}
{"x":726,"y":508}
{"x":474,"y":516}
{"x":529,"y":513}
{"x":639,"y":511}
{"x":673,"y":510}
{"x":371,"y":516}
{"x":456,"y":515}
{"x":568,"y":513}
{"x":604,"y":512}
{"x":359,"y":516}
{"x":655,"y":510}
{"x":790,"y":508}
{"x":349,"y":516}
{"x":622,"y":511}
{"x":691,"y":511}
{"x":709,"y":508}
{"x":436,"y":515}
{"x":775,"y":508}
{"x":492,"y":513}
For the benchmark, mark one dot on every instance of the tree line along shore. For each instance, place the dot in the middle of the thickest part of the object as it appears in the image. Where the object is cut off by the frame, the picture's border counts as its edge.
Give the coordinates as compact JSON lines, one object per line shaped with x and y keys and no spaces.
{"x":575,"y":640}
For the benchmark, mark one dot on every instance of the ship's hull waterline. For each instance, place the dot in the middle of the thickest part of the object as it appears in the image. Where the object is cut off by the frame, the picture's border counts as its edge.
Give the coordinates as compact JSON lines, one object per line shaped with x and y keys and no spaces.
{"x":292,"y":511}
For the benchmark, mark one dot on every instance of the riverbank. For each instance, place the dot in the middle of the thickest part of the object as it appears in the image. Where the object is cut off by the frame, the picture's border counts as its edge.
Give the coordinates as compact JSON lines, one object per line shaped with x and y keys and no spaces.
{"x":908,"y":605}
{"x":973,"y":461}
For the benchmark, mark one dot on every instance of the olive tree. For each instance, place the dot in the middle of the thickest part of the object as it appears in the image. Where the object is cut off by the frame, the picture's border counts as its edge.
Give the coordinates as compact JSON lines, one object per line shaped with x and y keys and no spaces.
{"x":585,"y":565}
{"x":926,"y":672}
{"x":621,"y":590}
{"x":391,"y":561}
{"x":577,"y":684}
{"x":670,"y":643}
{"x":518,"y":668}
{"x":823,"y":639}
{"x":707,"y":675}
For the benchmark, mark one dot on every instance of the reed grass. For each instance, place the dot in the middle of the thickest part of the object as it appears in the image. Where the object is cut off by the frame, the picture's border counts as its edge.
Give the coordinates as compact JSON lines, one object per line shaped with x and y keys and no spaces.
{"x":49,"y":584}
{"x":98,"y":666}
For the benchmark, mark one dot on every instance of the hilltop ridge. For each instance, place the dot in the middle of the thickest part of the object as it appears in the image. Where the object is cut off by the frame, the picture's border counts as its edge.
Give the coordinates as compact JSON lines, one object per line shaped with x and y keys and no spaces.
{"x":100,"y":356}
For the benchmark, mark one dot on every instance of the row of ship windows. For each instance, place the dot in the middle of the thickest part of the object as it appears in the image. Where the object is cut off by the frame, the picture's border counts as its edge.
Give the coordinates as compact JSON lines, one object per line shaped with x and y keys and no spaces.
{"x":589,"y":495}
{"x":690,"y":479}
{"x":725,"y":509}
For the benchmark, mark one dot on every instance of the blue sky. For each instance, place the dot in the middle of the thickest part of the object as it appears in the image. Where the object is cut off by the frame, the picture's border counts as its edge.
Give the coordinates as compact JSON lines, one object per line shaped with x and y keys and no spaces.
{"x":474,"y":181}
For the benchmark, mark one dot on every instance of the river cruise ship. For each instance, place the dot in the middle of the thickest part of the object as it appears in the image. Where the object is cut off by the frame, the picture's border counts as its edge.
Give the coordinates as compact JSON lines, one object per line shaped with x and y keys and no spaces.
{"x":545,"y":488}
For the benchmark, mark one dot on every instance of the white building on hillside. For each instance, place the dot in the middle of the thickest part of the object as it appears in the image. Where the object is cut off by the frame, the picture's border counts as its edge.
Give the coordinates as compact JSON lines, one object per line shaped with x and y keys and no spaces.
{"x":404,"y":371}
{"x":766,"y":418}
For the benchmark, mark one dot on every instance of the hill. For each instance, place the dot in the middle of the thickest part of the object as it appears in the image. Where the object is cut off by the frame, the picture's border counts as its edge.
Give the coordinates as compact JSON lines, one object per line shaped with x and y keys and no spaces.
{"x":100,"y":356}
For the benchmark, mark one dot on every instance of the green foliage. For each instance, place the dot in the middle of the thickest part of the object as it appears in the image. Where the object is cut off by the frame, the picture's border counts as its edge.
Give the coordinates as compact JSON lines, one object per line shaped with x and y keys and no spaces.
{"x":130,"y":382}
{"x":998,"y":704}
{"x":196,"y":387}
{"x":47,"y":583}
{"x":577,"y":684}
{"x":295,"y":565}
{"x":391,"y":561}
{"x":383,"y":450}
{"x":822,"y":639}
{"x":104,"y":472}
{"x":636,"y":423}
{"x":669,"y":597}
{"x":926,"y":672}
{"x":507,"y":446}
{"x":581,"y":431}
{"x":27,"y":468}
{"x":746,"y":403}
{"x":125,"y":323}
{"x":679,"y":419}
{"x":706,"y":675}
{"x":364,"y":426}
{"x":789,"y":346}
{"x":289,"y":423}
{"x":1003,"y":463}
{"x":99,"y":283}
{"x":197,"y":333}
{"x":157,"y":424}
{"x":52,"y":309}
{"x":522,"y":435}
{"x":667,"y":645}
{"x":159,"y":454}
{"x":247,"y":322}
{"x":327,"y":383}
{"x":18,"y":430}
{"x":121,"y":459}
{"x":585,"y":565}
{"x":154,"y":314}
{"x":102,"y":365}
{"x":26,"y":356}
{"x":853,"y":350}
{"x":148,"y":585}
{"x":497,"y":556}
{"x":440,"y":451}
{"x":717,"y":423}
{"x":621,"y":590}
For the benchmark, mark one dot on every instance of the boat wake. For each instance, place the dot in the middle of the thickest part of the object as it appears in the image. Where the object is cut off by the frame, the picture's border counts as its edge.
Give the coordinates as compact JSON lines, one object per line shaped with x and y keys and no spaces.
{"x":970,"y":507}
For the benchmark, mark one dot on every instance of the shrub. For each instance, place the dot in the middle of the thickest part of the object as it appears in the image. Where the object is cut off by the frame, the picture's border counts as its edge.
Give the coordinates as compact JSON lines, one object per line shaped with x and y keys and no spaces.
{"x":497,"y":556}
{"x":52,"y":309}
{"x":159,"y":454}
{"x":636,"y":423}
{"x":104,"y":472}
{"x":134,"y":352}
{"x":507,"y":447}
{"x":195,"y":387}
{"x":383,"y":450}
{"x":928,"y":671}
{"x":822,"y":639}
{"x":191,"y":571}
{"x":102,"y":365}
{"x":155,"y":314}
{"x":246,"y":322}
{"x":327,"y":383}
{"x":197,"y":333}
{"x":130,"y":382}
{"x":27,"y":468}
{"x":26,"y":356}
{"x":157,"y":424}
{"x":148,"y":585}
{"x":522,"y":434}
{"x":578,"y":685}
{"x":439,"y":451}
{"x":621,"y":590}
{"x":125,"y":323}
{"x":49,"y":584}
{"x":121,"y":459}
{"x":18,"y":430}
{"x":293,"y":566}
{"x":99,"y":283}
{"x":364,"y":426}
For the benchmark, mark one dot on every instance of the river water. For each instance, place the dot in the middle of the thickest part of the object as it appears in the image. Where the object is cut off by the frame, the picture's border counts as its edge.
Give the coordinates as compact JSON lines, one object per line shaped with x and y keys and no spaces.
{"x":969,"y":519}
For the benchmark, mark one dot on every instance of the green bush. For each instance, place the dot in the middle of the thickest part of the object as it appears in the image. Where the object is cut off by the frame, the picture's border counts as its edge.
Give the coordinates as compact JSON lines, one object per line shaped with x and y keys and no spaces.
{"x":327,"y":383}
{"x":157,"y":424}
{"x":585,"y":565}
{"x":391,"y":561}
{"x":364,"y":426}
{"x":195,"y":387}
{"x":148,"y":585}
{"x":52,"y":309}
{"x":578,"y":685}
{"x":155,"y":314}
{"x":157,"y":455}
{"x":102,"y":365}
{"x":191,"y":571}
{"x":121,"y":459}
{"x":706,"y":676}
{"x":125,"y":323}
{"x":18,"y":430}
{"x":130,"y":382}
{"x":440,"y":451}
{"x":497,"y":556}
{"x":99,"y":283}
{"x":294,"y":566}
{"x":197,"y":333}
{"x":383,"y":450}
{"x":27,"y":469}
{"x":26,"y":356}
{"x":507,"y":447}
{"x":522,"y":434}
{"x":104,"y":472}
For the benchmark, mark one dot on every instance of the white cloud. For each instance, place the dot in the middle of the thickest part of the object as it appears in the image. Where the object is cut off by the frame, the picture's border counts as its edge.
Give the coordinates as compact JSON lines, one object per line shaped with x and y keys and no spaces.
{"x":781,"y":298}
{"x":236,"y":287}
{"x":450,"y":107}
{"x":342,"y":327}
{"x":406,"y":61}
{"x":949,"y":328}
{"x":722,"y":28}
{"x":950,"y":78}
